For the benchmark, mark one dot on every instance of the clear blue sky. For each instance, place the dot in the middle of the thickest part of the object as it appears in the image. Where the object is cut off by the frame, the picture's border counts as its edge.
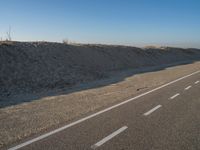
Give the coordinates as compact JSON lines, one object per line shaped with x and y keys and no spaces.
{"x":130,"y":22}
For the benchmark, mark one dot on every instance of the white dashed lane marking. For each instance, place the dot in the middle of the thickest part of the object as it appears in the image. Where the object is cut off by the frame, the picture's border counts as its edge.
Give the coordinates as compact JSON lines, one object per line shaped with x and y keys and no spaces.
{"x":109,"y":137}
{"x":187,"y":88}
{"x":152,"y":110}
{"x":174,"y":96}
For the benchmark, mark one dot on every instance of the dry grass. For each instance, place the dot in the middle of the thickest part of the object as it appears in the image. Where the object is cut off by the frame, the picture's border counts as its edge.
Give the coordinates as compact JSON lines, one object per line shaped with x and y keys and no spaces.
{"x":6,"y":42}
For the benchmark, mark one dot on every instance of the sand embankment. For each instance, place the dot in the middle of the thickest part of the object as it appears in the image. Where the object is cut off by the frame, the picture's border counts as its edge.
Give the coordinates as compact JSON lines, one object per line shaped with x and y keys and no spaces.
{"x":31,"y":67}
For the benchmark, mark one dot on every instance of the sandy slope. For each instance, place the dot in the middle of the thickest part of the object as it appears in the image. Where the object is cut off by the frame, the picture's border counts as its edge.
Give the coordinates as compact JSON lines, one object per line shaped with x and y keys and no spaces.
{"x":32,"y":67}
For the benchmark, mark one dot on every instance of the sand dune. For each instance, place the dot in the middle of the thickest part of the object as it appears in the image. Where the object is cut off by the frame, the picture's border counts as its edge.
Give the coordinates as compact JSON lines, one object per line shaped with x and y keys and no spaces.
{"x":27,"y":67}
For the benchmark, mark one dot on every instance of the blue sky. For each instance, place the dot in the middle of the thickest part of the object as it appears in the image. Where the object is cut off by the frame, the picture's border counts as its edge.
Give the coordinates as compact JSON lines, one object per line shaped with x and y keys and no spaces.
{"x":129,"y":22}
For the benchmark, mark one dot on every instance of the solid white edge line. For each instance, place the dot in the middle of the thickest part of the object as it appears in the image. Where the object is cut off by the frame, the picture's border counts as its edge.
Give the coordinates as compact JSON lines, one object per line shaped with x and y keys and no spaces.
{"x":196,"y":82}
{"x":109,"y":137}
{"x":97,"y":113}
{"x":187,"y":88}
{"x":175,"y":96}
{"x":152,"y":110}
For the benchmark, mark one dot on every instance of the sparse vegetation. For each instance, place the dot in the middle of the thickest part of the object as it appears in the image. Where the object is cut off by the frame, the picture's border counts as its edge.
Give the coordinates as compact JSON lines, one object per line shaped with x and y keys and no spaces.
{"x":66,"y":41}
{"x":8,"y":39}
{"x":8,"y":33}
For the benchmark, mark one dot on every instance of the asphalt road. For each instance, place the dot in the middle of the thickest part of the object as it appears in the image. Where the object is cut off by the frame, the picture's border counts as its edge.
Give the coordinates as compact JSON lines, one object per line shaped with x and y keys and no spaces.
{"x":166,"y":118}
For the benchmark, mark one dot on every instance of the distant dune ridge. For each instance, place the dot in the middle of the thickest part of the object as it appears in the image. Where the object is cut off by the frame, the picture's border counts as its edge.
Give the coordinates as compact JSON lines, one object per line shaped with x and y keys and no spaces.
{"x":34,"y":66}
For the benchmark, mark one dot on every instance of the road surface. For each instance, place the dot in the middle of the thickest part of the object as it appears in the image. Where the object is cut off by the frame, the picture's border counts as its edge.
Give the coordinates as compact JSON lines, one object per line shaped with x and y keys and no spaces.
{"x":165,"y":118}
